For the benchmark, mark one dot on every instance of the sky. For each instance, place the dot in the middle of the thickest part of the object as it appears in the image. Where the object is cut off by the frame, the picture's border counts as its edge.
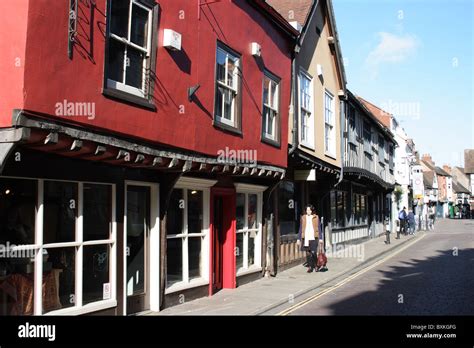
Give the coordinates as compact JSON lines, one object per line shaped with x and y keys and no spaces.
{"x":414,"y":58}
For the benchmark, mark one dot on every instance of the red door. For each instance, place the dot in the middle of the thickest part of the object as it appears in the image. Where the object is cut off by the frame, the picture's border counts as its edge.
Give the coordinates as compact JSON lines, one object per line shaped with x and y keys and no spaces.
{"x":222,"y":265}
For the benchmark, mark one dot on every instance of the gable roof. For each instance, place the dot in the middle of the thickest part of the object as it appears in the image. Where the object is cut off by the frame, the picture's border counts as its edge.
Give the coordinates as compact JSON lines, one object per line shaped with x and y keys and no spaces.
{"x":459,"y":188}
{"x":306,"y":9}
{"x":441,"y":172}
{"x":293,"y":10}
{"x":383,"y":116}
{"x":428,"y":178}
{"x":428,"y":164}
{"x":386,"y":130}
{"x":275,"y":17}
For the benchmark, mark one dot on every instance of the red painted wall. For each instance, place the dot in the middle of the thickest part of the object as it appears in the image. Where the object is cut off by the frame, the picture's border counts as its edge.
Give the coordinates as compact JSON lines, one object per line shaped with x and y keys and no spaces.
{"x":13,"y":25}
{"x":50,"y":77}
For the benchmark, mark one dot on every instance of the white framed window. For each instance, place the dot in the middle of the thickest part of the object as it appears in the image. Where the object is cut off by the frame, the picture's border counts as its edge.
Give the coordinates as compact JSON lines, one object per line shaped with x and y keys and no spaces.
{"x":271,"y":105}
{"x":248,"y":245}
{"x":67,"y":235}
{"x":188,"y":234}
{"x":129,"y":50}
{"x":227,"y":87}
{"x":306,"y":113}
{"x":329,"y":125}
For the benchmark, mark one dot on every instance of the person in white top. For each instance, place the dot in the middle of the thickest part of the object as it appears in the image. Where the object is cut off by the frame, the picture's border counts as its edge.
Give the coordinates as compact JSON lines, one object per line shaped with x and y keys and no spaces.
{"x":309,"y":235}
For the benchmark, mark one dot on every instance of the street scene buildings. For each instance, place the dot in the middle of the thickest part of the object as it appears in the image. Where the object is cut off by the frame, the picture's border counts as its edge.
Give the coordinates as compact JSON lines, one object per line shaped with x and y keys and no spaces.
{"x":154,"y":152}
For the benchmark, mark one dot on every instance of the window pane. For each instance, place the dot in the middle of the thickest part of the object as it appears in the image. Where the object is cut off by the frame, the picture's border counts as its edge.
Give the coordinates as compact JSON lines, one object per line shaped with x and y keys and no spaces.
{"x":115,"y":60}
{"x":60,"y":207}
{"x":134,"y":74}
{"x":59,"y":280}
{"x":251,"y":256}
{"x":274,"y":95}
{"x":174,"y":256}
{"x":119,"y":21}
{"x":137,"y":228}
{"x":195,"y":211}
{"x":96,"y":272}
{"x":139,"y":30}
{"x":174,"y":220}
{"x":97,"y":211}
{"x":219,"y":101}
{"x":17,"y":211}
{"x":220,"y":62}
{"x":252,"y":214}
{"x":194,"y":258}
{"x":17,"y":283}
{"x":231,"y":71}
{"x":239,"y":251}
{"x":228,"y":99}
{"x":240,"y":214}
{"x":266,"y":82}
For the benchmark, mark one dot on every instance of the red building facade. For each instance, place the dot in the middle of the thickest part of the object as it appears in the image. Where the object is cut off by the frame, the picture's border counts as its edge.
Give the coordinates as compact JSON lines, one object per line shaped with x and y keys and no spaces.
{"x":140,"y":142}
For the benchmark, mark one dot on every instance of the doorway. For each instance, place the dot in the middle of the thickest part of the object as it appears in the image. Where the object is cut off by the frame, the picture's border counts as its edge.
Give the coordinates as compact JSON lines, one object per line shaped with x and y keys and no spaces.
{"x":222,"y":265}
{"x":138,"y":248}
{"x":141,"y":247}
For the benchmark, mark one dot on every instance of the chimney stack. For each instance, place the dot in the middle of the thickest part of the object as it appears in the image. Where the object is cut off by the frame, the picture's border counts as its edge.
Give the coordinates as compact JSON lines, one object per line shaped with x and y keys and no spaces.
{"x":447,"y":169}
{"x":427,"y":158}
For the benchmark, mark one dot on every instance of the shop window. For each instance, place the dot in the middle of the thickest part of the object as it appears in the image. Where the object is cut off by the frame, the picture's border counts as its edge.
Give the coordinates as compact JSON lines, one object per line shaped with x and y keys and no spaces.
{"x":17,"y":228}
{"x":248,"y":236}
{"x":287,"y":208}
{"x":185,"y":236}
{"x":61,"y":241}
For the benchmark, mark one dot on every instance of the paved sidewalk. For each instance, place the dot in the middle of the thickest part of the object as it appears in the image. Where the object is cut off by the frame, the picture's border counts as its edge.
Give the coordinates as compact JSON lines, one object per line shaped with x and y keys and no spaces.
{"x":265,"y":294}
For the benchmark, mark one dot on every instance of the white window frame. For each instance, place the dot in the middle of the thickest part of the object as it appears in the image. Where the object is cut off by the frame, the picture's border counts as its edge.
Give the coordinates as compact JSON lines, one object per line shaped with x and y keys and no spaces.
{"x":329,"y":137}
{"x":256,"y":190}
{"x":154,"y":244}
{"x":38,"y":247}
{"x":310,"y":142}
{"x":185,"y":184}
{"x":273,"y":110}
{"x":122,"y":86}
{"x":234,"y":89}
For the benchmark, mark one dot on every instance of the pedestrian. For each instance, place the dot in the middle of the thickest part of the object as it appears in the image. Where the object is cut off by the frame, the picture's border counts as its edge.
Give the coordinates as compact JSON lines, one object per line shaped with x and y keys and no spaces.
{"x":431,"y":217}
{"x":309,"y":235}
{"x":411,"y":222}
{"x":402,"y":216}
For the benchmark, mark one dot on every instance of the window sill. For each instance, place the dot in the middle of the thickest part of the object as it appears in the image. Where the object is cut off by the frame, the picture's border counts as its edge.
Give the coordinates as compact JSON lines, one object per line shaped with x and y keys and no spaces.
{"x":250,"y":270}
{"x":88,"y":308}
{"x":330,"y":155}
{"x":271,"y":142}
{"x":129,"y":98}
{"x":184,"y":286}
{"x":226,"y":127}
{"x":308,"y":146}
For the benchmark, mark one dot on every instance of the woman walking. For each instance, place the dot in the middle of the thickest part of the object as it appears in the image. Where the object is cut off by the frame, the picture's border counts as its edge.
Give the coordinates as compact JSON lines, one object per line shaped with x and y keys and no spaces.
{"x":309,"y":235}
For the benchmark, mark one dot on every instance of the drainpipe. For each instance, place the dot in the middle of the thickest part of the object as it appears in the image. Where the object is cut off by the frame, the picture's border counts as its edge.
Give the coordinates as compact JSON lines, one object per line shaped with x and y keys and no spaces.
{"x":294,"y":141}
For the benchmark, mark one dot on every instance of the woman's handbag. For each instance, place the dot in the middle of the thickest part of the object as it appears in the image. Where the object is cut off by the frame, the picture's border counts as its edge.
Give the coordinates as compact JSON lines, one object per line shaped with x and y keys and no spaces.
{"x":322,"y":259}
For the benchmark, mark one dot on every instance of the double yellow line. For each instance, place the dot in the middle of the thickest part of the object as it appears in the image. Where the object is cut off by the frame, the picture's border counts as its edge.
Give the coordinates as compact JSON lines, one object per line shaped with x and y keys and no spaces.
{"x":348,"y":279}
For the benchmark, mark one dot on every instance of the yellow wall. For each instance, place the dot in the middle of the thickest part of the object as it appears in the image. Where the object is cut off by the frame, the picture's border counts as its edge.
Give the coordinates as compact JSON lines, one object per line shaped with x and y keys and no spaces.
{"x":316,"y":50}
